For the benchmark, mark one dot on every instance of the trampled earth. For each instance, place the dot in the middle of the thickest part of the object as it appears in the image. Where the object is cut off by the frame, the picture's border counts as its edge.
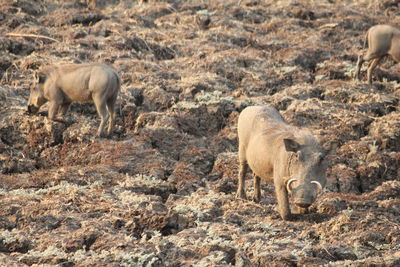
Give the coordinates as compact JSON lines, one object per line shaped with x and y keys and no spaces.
{"x":161,"y":191}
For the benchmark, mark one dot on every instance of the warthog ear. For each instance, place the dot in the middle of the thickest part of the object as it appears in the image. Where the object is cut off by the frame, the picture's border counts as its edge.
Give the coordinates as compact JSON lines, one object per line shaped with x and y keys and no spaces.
{"x":40,"y":77}
{"x":291,"y":145}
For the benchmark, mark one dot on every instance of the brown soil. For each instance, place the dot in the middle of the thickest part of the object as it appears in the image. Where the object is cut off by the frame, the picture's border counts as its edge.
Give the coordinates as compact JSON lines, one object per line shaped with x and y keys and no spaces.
{"x":161,"y":191}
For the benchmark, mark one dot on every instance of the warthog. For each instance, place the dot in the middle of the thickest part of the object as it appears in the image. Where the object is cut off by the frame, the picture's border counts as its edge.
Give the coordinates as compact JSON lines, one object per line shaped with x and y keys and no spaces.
{"x":82,"y":83}
{"x":276,"y":152}
{"x":382,"y":40}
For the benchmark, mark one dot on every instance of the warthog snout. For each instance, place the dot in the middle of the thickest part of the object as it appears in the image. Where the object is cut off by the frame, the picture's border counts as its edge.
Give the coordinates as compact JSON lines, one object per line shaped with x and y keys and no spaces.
{"x":303,"y":203}
{"x":289,"y":186}
{"x":32,"y":109}
{"x":304,"y":194}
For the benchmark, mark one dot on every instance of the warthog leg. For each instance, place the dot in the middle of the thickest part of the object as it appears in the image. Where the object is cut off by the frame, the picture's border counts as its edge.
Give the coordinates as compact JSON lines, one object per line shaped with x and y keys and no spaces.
{"x":283,"y":201}
{"x":243,"y":166}
{"x":257,"y":190}
{"x":53,"y":110}
{"x":111,"y":110}
{"x":103,"y":113}
{"x":360,"y":61}
{"x":371,"y":66}
{"x":64,"y":108}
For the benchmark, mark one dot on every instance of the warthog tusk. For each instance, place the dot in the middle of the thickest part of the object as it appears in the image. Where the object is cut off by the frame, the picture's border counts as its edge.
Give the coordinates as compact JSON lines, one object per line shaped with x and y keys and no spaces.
{"x":288,"y":185}
{"x":318,"y":184}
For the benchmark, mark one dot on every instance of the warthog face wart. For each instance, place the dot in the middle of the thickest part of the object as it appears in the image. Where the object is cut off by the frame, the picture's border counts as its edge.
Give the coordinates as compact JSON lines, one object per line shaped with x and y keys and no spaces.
{"x":305,"y":168}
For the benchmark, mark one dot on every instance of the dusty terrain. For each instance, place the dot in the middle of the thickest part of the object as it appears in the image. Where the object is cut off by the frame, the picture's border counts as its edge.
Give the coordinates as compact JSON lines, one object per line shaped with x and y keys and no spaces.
{"x":161,"y":191}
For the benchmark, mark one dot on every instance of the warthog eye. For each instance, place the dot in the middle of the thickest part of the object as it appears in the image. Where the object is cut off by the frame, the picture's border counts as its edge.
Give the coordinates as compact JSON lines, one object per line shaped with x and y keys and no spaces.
{"x":41,"y":79}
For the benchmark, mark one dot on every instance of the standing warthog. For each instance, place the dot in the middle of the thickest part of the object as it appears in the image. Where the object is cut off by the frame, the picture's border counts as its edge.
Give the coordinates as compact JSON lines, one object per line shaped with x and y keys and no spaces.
{"x":82,"y":83}
{"x":277,"y":152}
{"x":382,"y":40}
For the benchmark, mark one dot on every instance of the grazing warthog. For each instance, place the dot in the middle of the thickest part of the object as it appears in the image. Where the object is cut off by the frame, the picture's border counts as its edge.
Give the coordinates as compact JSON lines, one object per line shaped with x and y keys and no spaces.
{"x":276,"y":152}
{"x":82,"y":83}
{"x":382,"y":40}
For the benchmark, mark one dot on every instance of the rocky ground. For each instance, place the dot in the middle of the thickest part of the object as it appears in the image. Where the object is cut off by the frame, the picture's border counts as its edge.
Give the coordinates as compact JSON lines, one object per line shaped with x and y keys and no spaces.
{"x":161,"y":191}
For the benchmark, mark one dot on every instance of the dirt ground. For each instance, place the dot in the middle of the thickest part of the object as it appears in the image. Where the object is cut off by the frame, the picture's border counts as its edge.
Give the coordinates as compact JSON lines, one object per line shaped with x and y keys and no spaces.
{"x":161,"y":191}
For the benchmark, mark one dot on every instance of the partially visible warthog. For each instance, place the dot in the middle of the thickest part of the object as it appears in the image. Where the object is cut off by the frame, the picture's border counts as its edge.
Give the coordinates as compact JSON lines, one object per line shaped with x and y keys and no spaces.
{"x":382,"y":40}
{"x":276,"y":152}
{"x":82,"y":83}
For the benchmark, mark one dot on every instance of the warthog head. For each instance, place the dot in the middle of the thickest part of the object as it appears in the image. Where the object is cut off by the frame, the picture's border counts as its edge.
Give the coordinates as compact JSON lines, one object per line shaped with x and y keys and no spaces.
{"x":306,"y":171}
{"x":36,"y":97}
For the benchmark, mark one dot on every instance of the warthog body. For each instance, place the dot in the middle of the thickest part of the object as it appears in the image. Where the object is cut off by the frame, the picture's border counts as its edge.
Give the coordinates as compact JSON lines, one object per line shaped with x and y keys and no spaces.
{"x":276,"y":152}
{"x":382,"y":40}
{"x":82,"y":83}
